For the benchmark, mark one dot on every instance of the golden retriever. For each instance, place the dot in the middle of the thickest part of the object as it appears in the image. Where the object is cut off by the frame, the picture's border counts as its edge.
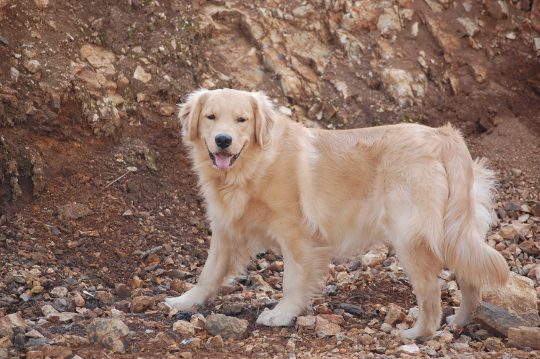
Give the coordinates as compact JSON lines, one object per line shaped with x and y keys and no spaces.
{"x":319,"y":194}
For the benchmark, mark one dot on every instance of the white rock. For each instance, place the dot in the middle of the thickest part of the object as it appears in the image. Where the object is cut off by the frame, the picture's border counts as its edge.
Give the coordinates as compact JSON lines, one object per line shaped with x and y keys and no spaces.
{"x":397,"y":84}
{"x":59,"y":292}
{"x":285,"y":110}
{"x":470,"y":26}
{"x":15,"y":74}
{"x":32,"y":66}
{"x":389,"y":22}
{"x":409,"y":349}
{"x":142,"y":75}
{"x":537,"y":43}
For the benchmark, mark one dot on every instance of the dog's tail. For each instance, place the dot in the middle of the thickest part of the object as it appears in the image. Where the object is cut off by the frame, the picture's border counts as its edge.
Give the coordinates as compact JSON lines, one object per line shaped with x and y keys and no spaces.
{"x":468,"y":217}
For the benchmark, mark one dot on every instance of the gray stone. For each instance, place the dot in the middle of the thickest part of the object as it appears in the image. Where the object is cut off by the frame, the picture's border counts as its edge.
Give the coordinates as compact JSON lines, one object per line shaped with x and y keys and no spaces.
{"x":63,"y":305}
{"x":73,"y":211}
{"x":227,"y":327}
{"x":496,"y":320}
{"x":353,"y":309}
{"x":110,"y":333}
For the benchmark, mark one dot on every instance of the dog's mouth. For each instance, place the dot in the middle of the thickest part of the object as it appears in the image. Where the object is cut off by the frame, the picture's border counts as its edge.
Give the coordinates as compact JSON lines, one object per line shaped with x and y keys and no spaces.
{"x":223,"y":160}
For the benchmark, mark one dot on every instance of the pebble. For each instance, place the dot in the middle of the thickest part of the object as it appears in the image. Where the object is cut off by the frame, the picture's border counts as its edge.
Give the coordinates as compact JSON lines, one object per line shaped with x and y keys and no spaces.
{"x":59,"y":292}
{"x":142,"y":303}
{"x":215,"y":343}
{"x":227,"y":327}
{"x":110,"y":333}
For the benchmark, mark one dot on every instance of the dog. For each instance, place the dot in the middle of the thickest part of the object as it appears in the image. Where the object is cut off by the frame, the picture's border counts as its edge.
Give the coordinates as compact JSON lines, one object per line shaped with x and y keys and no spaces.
{"x":270,"y":182}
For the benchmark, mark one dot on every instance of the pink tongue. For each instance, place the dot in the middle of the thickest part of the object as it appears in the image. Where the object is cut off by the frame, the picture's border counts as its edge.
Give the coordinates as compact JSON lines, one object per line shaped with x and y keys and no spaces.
{"x":223,"y":160}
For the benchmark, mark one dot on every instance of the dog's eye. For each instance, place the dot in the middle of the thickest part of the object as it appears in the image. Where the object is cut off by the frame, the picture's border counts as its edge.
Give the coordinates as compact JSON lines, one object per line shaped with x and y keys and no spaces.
{"x":211,"y":117}
{"x":241,"y":119}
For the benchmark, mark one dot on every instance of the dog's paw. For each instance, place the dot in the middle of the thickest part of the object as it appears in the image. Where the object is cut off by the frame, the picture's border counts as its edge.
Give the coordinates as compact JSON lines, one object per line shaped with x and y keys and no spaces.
{"x":181,"y":302}
{"x":415,"y":334}
{"x":276,"y":318}
{"x":459,"y":320}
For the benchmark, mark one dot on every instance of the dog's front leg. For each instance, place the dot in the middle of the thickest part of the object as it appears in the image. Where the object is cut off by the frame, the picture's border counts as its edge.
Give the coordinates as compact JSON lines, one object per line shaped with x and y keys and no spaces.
{"x":303,"y":272}
{"x":217,"y":267}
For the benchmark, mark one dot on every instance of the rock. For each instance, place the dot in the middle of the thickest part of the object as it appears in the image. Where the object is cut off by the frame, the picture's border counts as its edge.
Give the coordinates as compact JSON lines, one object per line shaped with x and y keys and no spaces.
{"x":105,"y":297}
{"x":15,"y":74}
{"x":73,"y":211}
{"x":227,"y":327}
{"x":32,"y":66}
{"x":198,"y":321}
{"x":100,"y":58}
{"x":110,"y":333}
{"x":497,"y":8}
{"x":496,"y":320}
{"x":48,"y":309}
{"x":517,"y":298}
{"x":394,"y":314}
{"x":306,"y":322}
{"x":325,"y":327}
{"x":524,"y":337}
{"x":446,"y":338}
{"x":434,"y":6}
{"x":123,"y":305}
{"x":409,"y":349}
{"x":63,"y":305}
{"x":55,"y":351}
{"x":142,"y":303}
{"x":6,"y":331}
{"x":42,"y":4}
{"x":479,"y":71}
{"x":388,"y":22}
{"x":59,"y":292}
{"x":77,"y":299}
{"x":385,"y":50}
{"x":183,"y":327}
{"x":214,"y":343}
{"x":493,"y":344}
{"x":12,"y":321}
{"x":264,"y":286}
{"x":122,"y":290}
{"x":142,"y":75}
{"x":448,"y":42}
{"x":353,"y":309}
{"x":469,"y":25}
{"x":396,"y":84}
{"x":5,"y":343}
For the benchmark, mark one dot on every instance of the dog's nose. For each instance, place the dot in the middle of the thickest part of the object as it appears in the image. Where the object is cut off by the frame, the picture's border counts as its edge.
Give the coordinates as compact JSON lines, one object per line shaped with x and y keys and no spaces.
{"x":223,"y":141}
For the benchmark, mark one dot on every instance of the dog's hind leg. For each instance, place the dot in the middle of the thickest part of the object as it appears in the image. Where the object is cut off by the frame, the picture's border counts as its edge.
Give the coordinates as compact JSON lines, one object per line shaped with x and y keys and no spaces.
{"x":303,"y":272}
{"x":219,"y":264}
{"x":471,"y":296}
{"x":422,"y":266}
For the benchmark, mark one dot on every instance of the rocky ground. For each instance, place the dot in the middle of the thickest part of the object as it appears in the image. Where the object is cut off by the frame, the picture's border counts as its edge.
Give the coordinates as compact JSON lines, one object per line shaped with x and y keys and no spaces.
{"x":100,"y":217}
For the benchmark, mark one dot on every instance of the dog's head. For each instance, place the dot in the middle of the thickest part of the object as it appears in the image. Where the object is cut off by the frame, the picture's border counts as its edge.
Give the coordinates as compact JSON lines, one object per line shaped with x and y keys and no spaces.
{"x":227,"y":122}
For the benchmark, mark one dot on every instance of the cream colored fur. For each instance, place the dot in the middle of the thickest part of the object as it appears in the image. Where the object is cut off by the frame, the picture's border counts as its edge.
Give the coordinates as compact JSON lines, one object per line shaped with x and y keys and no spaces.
{"x":318,"y":195}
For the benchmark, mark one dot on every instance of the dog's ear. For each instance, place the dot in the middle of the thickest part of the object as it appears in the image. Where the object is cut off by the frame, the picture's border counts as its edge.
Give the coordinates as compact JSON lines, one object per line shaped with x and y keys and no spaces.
{"x":190,"y":112}
{"x":265,"y":117}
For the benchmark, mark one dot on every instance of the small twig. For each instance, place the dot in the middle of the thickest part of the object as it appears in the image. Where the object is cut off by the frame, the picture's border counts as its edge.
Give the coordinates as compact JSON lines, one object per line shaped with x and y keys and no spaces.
{"x":130,"y":169}
{"x":147,"y":253}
